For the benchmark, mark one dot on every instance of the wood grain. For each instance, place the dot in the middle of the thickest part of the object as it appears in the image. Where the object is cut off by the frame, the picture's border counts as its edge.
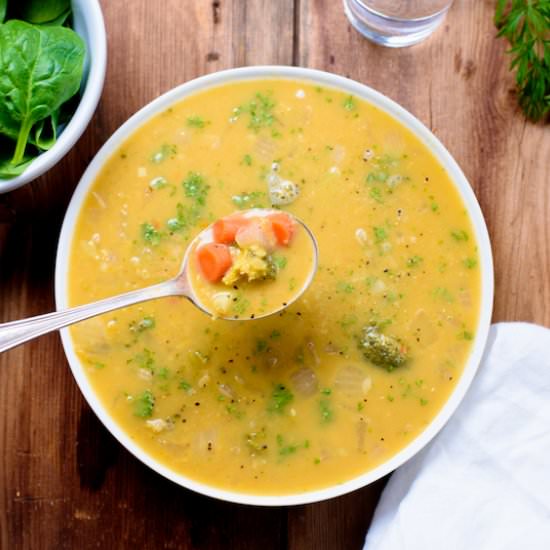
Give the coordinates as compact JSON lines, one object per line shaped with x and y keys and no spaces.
{"x":64,"y":481}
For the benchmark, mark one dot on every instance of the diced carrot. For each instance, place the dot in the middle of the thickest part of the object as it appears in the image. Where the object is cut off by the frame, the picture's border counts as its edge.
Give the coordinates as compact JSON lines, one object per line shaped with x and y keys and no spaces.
{"x":225,"y":229}
{"x":283,"y":227}
{"x":214,"y":260}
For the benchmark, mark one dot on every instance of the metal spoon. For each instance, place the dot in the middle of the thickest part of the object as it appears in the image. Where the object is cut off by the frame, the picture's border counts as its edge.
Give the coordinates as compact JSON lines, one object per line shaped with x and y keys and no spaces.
{"x":15,"y":333}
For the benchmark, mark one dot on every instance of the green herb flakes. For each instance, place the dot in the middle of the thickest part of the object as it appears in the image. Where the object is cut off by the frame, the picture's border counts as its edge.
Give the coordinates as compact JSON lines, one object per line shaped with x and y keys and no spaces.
{"x":281,"y":397}
{"x":196,"y":121}
{"x":254,"y":199}
{"x":150,"y":234}
{"x":144,"y":404}
{"x":349,"y":103}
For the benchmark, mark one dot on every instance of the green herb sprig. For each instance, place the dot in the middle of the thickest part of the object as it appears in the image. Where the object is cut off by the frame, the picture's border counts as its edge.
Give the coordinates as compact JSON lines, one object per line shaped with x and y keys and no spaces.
{"x":526,"y":25}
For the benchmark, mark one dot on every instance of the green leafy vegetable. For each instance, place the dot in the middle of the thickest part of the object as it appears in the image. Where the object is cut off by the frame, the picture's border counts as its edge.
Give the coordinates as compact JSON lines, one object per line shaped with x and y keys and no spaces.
{"x":3,"y":7}
{"x":45,"y":131}
{"x":40,"y":69}
{"x":43,"y":11}
{"x":526,"y":26}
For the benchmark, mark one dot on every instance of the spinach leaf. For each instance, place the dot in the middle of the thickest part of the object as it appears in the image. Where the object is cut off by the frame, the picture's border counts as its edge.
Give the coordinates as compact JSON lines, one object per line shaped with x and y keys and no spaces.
{"x":40,"y":69}
{"x":7,"y":169}
{"x":58,"y":21}
{"x":3,"y":8}
{"x":45,"y":131}
{"x":43,"y":11}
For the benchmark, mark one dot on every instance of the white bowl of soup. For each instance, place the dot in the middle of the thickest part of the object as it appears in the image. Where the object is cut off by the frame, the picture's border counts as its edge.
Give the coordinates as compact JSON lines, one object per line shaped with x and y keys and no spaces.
{"x":351,"y":380}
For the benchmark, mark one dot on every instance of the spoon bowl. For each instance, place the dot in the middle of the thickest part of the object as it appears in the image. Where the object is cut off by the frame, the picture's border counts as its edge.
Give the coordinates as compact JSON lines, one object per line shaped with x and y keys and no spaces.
{"x":15,"y":333}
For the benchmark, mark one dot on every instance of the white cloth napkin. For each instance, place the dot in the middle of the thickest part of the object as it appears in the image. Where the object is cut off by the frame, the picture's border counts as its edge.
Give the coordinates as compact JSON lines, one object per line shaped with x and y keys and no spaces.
{"x":484,"y":482}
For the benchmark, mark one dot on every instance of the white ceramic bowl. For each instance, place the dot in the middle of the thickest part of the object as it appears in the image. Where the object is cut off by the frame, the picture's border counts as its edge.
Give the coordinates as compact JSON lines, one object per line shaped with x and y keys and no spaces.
{"x":88,"y":23}
{"x":328,"y":80}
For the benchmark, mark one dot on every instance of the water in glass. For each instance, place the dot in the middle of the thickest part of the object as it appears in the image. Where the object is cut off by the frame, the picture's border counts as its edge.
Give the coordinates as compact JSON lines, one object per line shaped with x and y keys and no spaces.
{"x":396,"y":23}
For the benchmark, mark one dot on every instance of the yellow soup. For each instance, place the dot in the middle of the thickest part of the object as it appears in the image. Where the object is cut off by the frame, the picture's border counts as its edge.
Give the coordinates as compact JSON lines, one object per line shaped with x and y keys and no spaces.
{"x":300,"y":400}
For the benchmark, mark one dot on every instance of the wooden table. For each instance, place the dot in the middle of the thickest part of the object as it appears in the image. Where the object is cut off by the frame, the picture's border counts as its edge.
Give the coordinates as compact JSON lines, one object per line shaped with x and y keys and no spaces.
{"x":65,"y":482}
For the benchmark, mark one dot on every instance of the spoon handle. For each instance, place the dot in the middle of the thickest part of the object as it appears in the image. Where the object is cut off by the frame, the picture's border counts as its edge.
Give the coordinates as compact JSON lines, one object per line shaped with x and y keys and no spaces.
{"x":17,"y":332}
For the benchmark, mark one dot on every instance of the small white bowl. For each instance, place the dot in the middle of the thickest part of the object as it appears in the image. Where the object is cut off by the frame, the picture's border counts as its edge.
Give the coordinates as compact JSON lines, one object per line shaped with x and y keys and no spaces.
{"x":88,"y":23}
{"x":327,"y":80}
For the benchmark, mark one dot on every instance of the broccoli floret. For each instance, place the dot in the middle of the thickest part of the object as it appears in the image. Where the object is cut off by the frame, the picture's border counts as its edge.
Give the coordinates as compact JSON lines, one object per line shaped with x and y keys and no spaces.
{"x":382,"y":350}
{"x":250,"y":264}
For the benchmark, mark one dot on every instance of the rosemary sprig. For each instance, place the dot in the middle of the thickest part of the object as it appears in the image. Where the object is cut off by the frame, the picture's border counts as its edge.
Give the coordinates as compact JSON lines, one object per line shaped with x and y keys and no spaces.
{"x":526,"y":25}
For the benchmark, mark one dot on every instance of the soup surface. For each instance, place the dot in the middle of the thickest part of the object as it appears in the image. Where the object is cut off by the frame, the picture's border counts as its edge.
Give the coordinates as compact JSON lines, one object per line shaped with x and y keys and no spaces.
{"x":304,"y":399}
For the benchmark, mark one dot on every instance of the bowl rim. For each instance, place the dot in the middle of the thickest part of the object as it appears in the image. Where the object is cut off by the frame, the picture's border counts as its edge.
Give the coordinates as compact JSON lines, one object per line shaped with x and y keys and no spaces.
{"x":97,"y":52}
{"x":328,"y":80}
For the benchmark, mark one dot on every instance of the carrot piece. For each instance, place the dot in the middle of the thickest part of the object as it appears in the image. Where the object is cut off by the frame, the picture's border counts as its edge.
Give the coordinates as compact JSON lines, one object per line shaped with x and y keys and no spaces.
{"x":214,"y":260}
{"x":283,"y":227}
{"x":225,"y":229}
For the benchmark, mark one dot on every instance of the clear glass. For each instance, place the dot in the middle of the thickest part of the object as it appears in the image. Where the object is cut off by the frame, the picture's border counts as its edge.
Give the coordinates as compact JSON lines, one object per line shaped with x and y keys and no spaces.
{"x":396,"y":23}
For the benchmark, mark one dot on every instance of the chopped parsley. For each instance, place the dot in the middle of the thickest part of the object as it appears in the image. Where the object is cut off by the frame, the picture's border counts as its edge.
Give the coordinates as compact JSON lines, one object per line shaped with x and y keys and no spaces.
{"x":376,"y":194}
{"x":459,"y":235}
{"x":195,"y":187}
{"x":286,"y":449}
{"x":345,"y":287}
{"x":380,"y":234}
{"x":144,"y":360}
{"x":247,"y":159}
{"x":144,"y":404}
{"x":279,"y":261}
{"x":195,"y":121}
{"x":158,"y":183}
{"x":413,"y":261}
{"x":165,"y":151}
{"x":150,"y":234}
{"x":260,"y":111}
{"x":326,"y":410}
{"x":145,"y":324}
{"x":377,"y":177}
{"x":240,"y":304}
{"x":185,"y":386}
{"x":470,"y":263}
{"x":349,"y":103}
{"x":254,"y":199}
{"x":280,"y":398}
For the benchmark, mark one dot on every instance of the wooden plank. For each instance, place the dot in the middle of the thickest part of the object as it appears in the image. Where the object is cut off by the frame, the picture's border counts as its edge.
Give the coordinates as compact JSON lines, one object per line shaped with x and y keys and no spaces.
{"x":64,"y":481}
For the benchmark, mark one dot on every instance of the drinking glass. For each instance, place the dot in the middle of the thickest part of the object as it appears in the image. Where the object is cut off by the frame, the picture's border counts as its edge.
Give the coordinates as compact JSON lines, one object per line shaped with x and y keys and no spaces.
{"x":396,"y":23}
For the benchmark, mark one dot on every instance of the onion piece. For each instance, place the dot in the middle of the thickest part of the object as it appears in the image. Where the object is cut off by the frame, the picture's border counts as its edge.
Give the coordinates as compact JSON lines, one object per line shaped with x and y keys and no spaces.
{"x":227,"y":390}
{"x":304,"y":382}
{"x":352,"y":380}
